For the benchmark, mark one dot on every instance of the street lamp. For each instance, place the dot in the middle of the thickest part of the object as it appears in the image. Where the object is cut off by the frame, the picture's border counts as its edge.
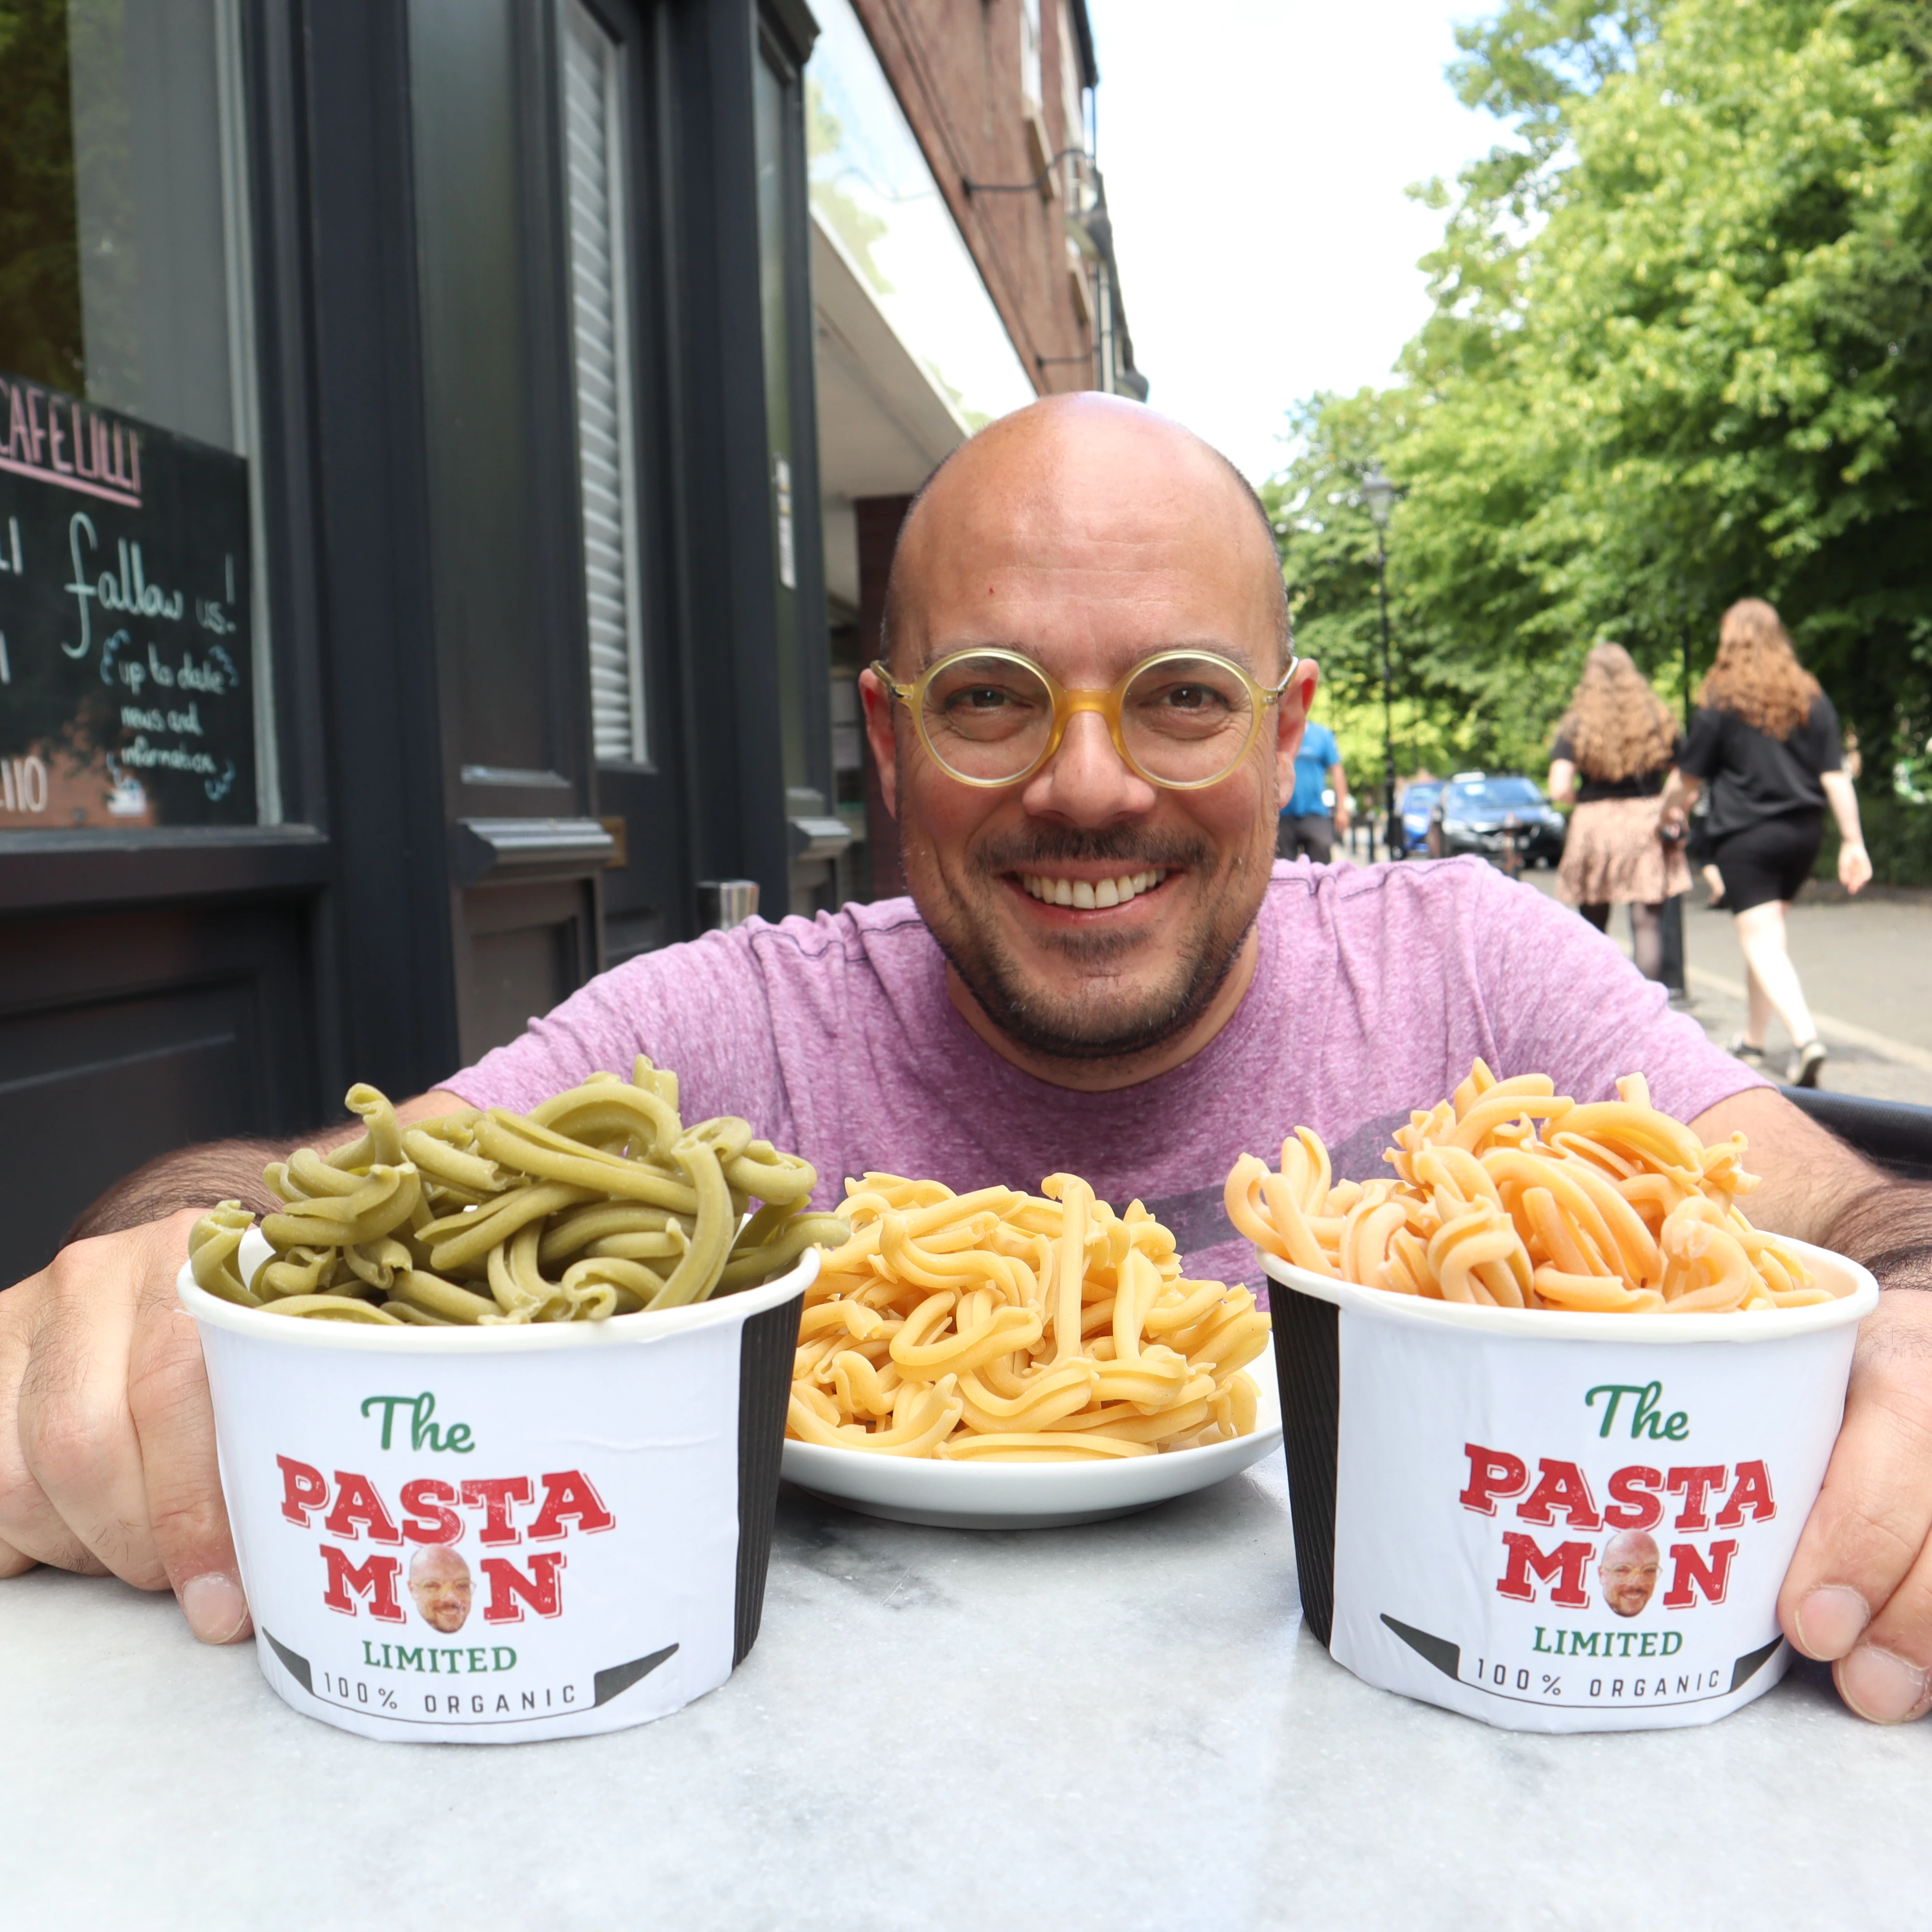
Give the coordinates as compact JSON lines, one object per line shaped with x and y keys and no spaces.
{"x":1378,"y":494}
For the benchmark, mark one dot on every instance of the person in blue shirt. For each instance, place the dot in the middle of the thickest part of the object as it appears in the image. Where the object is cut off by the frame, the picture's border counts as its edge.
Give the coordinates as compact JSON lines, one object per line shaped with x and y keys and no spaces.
{"x":1317,"y":813}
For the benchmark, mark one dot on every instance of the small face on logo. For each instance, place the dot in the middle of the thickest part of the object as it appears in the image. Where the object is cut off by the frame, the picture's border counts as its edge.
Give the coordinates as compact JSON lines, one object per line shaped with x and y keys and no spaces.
{"x":439,"y":1582}
{"x":1628,"y":1572}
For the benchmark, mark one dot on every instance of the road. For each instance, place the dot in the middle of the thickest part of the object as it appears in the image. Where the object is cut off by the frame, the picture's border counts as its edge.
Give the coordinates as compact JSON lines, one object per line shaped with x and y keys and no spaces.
{"x":1867,"y":967}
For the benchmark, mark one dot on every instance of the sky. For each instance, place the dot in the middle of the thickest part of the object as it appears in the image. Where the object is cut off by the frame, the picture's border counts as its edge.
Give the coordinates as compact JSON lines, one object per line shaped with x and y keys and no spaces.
{"x":1256,"y":154}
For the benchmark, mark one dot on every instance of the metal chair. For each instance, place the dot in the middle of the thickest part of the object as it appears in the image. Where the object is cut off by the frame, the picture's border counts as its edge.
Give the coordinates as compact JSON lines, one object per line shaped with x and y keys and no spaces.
{"x":1896,"y":1135}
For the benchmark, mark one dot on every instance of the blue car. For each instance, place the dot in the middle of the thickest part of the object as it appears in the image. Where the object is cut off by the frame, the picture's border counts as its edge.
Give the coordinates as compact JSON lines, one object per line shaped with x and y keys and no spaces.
{"x":1502,"y":817}
{"x":1418,"y":801}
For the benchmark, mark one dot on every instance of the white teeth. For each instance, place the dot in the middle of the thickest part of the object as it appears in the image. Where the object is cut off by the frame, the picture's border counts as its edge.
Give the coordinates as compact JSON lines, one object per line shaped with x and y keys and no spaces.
{"x":1091,"y":896}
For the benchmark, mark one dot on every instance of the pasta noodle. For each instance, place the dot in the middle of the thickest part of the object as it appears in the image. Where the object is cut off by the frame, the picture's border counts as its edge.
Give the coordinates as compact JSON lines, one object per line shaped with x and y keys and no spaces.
{"x":1508,"y":1195}
{"x":456,"y":1220}
{"x":1001,"y":1326}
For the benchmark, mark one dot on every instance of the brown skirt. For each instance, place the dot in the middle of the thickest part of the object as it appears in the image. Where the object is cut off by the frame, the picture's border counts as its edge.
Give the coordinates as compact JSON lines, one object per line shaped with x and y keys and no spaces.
{"x":1613,"y":856}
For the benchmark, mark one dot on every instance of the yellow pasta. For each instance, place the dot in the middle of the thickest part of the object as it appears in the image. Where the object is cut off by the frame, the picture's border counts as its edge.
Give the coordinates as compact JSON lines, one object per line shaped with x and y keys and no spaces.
{"x":1506,"y":1195}
{"x":1003,"y":1327}
{"x":454,"y":1221}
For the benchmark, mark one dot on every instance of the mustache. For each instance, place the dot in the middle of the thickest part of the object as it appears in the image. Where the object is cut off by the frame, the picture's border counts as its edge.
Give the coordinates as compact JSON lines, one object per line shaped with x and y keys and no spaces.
{"x":1138,"y":847}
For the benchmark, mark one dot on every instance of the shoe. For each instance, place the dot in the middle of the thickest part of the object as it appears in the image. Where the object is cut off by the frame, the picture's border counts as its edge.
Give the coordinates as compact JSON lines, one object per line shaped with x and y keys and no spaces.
{"x":1806,"y":1064}
{"x":1739,"y":1047}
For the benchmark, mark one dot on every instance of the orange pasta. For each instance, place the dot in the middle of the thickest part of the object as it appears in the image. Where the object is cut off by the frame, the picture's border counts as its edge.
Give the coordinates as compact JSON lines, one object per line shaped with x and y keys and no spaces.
{"x":1508,"y":1195}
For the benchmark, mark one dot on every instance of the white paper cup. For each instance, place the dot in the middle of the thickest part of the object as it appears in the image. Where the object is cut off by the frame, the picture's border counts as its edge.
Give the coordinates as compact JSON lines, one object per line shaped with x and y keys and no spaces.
{"x":1480,"y":1495}
{"x":492,"y":1535}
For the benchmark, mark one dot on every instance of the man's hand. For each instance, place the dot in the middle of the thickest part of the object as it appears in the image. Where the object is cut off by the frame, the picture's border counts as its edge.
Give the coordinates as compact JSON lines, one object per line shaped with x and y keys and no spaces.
{"x":1854,"y":867}
{"x":1858,"y":1594}
{"x":106,"y":1438}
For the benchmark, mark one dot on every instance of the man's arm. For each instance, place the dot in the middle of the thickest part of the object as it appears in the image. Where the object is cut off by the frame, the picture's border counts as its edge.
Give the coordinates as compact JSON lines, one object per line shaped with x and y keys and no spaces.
{"x":1858,"y":1594}
{"x":106,"y":1440}
{"x":198,"y":1177}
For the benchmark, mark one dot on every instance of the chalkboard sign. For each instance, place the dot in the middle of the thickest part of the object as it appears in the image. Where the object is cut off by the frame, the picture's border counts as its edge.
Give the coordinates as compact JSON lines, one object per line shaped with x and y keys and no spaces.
{"x":127,"y":688}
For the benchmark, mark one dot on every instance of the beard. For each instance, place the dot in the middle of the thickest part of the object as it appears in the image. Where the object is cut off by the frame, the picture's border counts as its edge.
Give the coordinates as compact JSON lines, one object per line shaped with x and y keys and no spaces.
{"x":1095,"y":1017}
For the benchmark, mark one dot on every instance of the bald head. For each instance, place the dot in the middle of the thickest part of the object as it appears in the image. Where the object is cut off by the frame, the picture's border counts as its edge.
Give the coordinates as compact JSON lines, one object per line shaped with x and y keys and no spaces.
{"x":440,"y":1584}
{"x":1628,"y":1571}
{"x":1087,"y":472}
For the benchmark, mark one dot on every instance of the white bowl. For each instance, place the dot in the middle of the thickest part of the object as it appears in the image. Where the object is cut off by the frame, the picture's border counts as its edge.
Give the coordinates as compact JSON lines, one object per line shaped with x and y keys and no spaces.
{"x":1029,"y":1495}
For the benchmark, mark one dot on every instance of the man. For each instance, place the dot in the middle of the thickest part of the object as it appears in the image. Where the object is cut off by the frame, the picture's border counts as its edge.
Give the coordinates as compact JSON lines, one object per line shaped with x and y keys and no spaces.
{"x":1308,"y":823}
{"x":1628,"y":1571}
{"x":439,"y":1582}
{"x":1100,"y":968}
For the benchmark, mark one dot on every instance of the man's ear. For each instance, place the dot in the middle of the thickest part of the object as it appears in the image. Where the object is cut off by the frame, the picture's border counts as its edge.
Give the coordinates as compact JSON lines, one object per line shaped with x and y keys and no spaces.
{"x":1291,"y":720}
{"x":880,"y":735}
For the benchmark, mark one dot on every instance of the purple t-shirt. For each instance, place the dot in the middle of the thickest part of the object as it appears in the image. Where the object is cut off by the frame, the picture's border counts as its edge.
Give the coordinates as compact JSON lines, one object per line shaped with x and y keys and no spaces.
{"x":1374,"y":990}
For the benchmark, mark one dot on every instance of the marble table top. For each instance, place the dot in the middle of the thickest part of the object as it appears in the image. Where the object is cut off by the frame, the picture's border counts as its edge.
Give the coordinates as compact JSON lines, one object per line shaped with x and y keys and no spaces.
{"x":1118,"y":1726}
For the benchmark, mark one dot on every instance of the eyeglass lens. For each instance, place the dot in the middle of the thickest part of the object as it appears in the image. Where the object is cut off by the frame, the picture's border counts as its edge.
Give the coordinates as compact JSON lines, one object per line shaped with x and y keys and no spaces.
{"x":1184,"y":720}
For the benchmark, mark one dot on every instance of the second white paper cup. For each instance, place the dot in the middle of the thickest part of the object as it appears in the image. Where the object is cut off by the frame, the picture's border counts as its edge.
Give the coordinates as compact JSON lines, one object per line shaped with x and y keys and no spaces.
{"x":1552,"y":1521}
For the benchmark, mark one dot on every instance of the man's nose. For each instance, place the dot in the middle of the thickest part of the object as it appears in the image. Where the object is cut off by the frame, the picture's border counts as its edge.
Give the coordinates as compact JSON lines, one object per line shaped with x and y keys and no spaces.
{"x":1086,"y":781}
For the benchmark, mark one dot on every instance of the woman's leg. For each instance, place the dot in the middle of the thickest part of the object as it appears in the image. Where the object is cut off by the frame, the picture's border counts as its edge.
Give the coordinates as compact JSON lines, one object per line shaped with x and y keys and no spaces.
{"x":1774,"y":980}
{"x":1647,"y":939}
{"x":1597,"y":913}
{"x":1757,"y":1009}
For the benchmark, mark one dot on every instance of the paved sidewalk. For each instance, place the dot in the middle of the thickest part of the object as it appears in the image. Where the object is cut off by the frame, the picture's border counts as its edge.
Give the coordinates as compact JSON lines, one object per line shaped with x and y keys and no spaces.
{"x":1867,"y":967}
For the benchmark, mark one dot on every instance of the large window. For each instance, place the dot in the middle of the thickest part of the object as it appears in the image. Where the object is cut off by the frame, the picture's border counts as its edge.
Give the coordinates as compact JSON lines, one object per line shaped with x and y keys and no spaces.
{"x":874,"y":197}
{"x":139,"y":689}
{"x":777,"y":294}
{"x":595,"y":150}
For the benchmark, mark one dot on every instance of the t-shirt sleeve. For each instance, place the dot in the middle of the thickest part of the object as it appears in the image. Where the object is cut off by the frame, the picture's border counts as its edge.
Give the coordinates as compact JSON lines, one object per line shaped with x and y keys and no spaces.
{"x":1701,"y":754}
{"x":1824,"y":741}
{"x":701,"y":1009}
{"x":1564,"y":1001}
{"x":1563,"y":749}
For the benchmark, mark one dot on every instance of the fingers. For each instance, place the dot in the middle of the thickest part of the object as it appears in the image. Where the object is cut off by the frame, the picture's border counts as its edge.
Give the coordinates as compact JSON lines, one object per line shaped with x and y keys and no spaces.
{"x":32,"y":1529}
{"x":82,"y":1498}
{"x":106,"y":1440}
{"x":174,"y":1423}
{"x":1858,"y":1594}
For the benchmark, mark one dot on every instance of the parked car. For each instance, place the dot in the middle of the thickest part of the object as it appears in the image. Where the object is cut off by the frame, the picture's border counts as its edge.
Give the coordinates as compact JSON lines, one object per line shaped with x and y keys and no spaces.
{"x":1502,"y":817}
{"x":1418,"y":803}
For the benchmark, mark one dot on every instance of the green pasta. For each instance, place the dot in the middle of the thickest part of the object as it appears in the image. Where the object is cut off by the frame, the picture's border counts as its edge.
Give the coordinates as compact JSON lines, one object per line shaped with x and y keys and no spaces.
{"x":600,"y":1202}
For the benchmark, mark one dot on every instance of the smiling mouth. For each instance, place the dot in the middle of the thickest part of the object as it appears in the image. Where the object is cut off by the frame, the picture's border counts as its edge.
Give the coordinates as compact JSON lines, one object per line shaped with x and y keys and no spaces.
{"x":1090,"y":895}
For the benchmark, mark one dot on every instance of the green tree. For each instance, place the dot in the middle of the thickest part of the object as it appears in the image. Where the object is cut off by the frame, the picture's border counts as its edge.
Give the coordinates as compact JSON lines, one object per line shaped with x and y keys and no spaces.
{"x":1680,"y":352}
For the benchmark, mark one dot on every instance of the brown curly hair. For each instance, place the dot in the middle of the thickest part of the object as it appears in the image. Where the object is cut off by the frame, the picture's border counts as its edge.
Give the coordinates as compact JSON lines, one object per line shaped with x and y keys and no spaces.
{"x":1757,"y":676}
{"x":1617,"y":726}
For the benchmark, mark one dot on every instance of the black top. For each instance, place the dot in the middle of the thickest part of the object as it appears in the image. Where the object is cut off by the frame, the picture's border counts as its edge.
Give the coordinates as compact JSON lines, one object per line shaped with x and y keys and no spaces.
{"x":1754,"y":776}
{"x":1643,"y":784}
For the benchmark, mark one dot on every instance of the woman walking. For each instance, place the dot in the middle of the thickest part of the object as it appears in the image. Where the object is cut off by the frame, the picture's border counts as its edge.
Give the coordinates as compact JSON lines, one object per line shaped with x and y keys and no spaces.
{"x":1613,"y":750}
{"x":1765,"y":738}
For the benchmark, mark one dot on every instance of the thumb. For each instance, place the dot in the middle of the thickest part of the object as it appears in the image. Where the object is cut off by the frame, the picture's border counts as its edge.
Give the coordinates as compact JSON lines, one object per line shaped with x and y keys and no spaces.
{"x":168,"y":1396}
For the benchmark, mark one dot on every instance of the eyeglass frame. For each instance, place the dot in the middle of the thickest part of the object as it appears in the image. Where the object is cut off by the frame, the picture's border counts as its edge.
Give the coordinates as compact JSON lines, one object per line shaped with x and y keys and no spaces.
{"x":1066,"y":703}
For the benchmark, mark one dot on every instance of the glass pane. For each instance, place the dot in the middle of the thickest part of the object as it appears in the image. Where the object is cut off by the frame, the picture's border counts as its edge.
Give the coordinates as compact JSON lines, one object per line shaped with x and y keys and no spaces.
{"x":132,"y":651}
{"x":775,"y":293}
{"x":595,"y":159}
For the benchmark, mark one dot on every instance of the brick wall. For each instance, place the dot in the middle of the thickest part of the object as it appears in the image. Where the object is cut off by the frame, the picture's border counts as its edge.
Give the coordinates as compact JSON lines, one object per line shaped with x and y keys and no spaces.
{"x":956,"y":66}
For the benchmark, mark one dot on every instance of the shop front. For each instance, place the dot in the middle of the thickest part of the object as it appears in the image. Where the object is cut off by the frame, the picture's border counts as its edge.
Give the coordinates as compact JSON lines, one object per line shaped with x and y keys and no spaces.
{"x":410,"y":567}
{"x":450,"y":455}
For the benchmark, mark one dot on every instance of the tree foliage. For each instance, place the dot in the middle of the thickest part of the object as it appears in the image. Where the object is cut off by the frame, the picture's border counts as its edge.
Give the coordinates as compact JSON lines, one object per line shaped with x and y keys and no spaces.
{"x":1680,"y":352}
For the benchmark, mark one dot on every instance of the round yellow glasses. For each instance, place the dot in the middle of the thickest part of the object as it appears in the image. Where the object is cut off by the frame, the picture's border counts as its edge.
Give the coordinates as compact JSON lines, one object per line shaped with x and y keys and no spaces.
{"x":1182,"y":719}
